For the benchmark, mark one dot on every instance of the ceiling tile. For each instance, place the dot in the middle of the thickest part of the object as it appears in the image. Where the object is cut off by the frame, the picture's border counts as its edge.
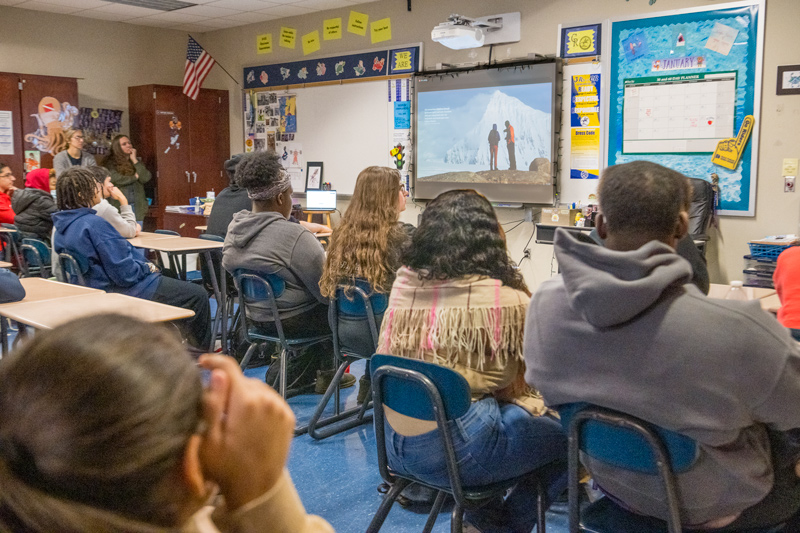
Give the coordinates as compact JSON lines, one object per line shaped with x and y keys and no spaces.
{"x":52,"y":8}
{"x":207,"y":11}
{"x":253,"y":16}
{"x":242,"y":5}
{"x":177,"y":17}
{"x":287,"y":11}
{"x":321,"y":5}
{"x":219,"y":23}
{"x":130,"y":11}
{"x":80,"y":4}
{"x":145,"y":21}
{"x":10,"y":2}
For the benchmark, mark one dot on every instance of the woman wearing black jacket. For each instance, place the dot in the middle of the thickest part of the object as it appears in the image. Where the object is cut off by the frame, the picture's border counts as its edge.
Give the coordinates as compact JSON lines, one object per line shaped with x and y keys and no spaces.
{"x":33,"y":206}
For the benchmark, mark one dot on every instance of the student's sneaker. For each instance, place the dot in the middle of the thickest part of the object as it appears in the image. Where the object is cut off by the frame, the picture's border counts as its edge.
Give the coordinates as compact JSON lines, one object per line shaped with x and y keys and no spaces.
{"x":364,"y":390}
{"x":324,"y":378}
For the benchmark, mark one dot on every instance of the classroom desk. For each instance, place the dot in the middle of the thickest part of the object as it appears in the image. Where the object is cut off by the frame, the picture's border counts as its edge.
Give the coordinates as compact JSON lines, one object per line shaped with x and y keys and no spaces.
{"x":40,"y":290}
{"x":189,"y":245}
{"x":47,"y":314}
{"x":768,"y":298}
{"x":5,"y":264}
{"x":144,"y":238}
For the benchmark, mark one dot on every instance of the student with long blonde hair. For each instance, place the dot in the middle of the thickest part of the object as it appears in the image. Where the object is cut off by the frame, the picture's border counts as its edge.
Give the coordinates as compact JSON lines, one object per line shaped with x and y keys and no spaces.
{"x":366,"y":246}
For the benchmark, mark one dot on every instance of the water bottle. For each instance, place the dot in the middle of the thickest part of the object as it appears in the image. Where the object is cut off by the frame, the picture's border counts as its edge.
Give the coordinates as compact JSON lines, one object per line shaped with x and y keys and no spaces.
{"x":736,"y":292}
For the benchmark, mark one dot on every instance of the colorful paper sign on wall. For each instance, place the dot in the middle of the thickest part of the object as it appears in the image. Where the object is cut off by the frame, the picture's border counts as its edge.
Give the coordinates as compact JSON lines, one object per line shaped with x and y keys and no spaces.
{"x":310,"y":42}
{"x":585,"y":107}
{"x":264,"y":43}
{"x":580,"y":41}
{"x":403,"y":61}
{"x":729,"y":151}
{"x":288,"y":37}
{"x":358,"y":23}
{"x":332,"y":29}
{"x":33,"y":160}
{"x":402,"y":115}
{"x":381,"y":30}
{"x":585,"y":153}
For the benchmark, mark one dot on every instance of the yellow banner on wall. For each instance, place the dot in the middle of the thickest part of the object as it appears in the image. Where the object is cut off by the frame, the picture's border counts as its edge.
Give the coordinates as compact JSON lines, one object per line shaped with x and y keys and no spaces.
{"x":264,"y":43}
{"x":288,"y":37}
{"x":332,"y":29}
{"x":310,"y":42}
{"x":581,"y":42}
{"x":381,"y":30}
{"x":358,"y":23}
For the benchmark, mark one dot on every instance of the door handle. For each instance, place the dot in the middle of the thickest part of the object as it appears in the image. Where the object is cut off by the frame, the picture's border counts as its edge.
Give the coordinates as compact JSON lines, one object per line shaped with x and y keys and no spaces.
{"x":194,"y":174}
{"x":188,"y":178}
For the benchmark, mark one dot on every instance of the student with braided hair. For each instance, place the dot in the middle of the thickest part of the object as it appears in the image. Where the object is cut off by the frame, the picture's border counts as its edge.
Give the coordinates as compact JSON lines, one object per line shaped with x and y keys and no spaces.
{"x":110,"y":263}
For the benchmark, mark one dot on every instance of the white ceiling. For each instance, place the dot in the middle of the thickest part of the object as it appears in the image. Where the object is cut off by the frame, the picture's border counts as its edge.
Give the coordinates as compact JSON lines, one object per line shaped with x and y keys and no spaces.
{"x":207,"y":15}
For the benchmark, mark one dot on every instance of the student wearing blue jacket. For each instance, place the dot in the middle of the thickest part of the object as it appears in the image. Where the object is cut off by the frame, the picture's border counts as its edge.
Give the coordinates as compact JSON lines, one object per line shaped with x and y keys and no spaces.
{"x":110,"y":263}
{"x":11,"y":290}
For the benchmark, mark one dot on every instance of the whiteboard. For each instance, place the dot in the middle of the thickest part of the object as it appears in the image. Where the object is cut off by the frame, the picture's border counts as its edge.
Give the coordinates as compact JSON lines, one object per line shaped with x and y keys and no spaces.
{"x":346,"y":127}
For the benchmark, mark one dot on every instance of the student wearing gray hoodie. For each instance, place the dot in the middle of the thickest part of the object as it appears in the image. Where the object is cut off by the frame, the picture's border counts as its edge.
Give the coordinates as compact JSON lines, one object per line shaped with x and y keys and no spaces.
{"x":623,"y":328}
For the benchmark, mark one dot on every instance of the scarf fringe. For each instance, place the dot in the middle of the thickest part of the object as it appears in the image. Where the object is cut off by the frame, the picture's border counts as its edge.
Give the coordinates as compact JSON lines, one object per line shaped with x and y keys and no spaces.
{"x":456,"y":332}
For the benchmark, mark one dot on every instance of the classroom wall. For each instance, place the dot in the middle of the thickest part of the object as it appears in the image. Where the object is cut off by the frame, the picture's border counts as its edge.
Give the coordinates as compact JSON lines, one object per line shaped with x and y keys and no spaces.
{"x":107,"y":57}
{"x":776,"y":211}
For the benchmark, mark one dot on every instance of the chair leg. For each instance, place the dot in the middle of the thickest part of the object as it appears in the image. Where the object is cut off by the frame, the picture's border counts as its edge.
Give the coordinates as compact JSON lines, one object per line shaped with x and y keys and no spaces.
{"x":248,"y":355}
{"x":434,"y":514}
{"x":386,"y":505}
{"x":457,"y":520}
{"x":541,"y":494}
{"x":314,"y":424}
{"x":282,"y":374}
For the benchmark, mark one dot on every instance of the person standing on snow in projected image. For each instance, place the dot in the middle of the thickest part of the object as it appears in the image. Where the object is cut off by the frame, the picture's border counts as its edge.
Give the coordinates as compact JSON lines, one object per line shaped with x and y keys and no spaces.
{"x":512,"y":158}
{"x":494,"y":140}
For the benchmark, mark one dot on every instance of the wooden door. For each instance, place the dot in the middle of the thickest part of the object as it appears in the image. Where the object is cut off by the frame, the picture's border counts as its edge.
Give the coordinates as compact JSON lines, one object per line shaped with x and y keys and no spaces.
{"x":9,"y":101}
{"x":210,"y":141}
{"x":49,"y":106}
{"x":172,"y":125}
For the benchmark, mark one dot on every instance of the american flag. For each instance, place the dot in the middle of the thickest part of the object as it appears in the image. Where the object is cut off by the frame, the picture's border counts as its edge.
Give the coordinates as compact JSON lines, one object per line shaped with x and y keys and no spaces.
{"x":198,"y":65}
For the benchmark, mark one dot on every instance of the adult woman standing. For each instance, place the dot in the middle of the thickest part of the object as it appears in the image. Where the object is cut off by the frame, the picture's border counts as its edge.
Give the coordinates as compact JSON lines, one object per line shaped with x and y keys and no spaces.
{"x":128,"y":173}
{"x":73,"y":155}
{"x":367,"y":246}
{"x":459,"y":302}
{"x":127,"y":438}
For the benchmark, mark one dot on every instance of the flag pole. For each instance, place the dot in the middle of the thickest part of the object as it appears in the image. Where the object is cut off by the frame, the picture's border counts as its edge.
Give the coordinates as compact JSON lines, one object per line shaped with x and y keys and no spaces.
{"x":223,"y":68}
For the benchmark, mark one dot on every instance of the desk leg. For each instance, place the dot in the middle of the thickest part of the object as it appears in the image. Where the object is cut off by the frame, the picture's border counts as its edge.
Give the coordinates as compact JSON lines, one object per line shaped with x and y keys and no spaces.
{"x":219,"y":296}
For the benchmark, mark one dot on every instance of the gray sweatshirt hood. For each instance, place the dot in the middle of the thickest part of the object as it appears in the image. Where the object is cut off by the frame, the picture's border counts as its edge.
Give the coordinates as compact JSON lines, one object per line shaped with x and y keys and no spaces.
{"x":608,"y":287}
{"x":246,"y":225}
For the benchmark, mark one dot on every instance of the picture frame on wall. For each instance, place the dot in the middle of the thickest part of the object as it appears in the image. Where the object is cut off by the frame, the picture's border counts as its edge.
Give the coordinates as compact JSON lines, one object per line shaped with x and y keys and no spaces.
{"x":788,"y":79}
{"x":314,"y":175}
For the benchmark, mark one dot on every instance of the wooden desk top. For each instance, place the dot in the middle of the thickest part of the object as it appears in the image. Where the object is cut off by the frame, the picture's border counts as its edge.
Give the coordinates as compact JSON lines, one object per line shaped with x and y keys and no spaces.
{"x":201,"y":228}
{"x":39,"y":290}
{"x":48,"y":314}
{"x":5,"y":264}
{"x":181,"y":244}
{"x":145,"y":238}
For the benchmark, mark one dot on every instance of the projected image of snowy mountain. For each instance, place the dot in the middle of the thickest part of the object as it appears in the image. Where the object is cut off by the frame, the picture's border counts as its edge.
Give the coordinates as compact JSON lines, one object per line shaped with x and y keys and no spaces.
{"x":455,"y":138}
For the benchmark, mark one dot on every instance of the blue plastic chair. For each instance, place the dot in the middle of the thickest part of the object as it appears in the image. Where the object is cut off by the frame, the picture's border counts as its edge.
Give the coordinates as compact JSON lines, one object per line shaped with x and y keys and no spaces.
{"x":429,"y":392}
{"x":12,"y":241}
{"x":71,"y":269}
{"x":265,"y":289}
{"x":37,"y":257}
{"x":358,"y":303}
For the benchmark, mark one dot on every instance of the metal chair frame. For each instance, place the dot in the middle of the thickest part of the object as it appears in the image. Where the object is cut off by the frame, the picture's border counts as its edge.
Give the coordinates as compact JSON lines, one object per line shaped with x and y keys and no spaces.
{"x":663,"y":464}
{"x":344,"y":360}
{"x":230,"y":300}
{"x":288,"y":346}
{"x":465,"y":497}
{"x":70,"y":268}
{"x":34,"y":248}
{"x":12,"y":251}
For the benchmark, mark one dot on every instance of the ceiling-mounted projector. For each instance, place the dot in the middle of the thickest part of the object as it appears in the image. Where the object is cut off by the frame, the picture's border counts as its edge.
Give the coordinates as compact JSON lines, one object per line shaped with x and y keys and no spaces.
{"x":460,"y":32}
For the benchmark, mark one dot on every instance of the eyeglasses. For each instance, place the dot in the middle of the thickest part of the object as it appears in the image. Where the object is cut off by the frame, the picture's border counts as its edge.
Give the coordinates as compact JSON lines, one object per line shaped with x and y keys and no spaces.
{"x":7,"y":175}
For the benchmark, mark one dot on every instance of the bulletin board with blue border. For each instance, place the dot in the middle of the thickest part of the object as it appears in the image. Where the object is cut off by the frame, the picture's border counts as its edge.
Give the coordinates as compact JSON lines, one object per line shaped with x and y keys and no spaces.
{"x":684,"y":92}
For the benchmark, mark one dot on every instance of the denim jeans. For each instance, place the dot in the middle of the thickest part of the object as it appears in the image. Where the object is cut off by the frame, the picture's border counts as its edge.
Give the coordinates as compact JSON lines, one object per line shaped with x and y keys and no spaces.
{"x":493,"y":442}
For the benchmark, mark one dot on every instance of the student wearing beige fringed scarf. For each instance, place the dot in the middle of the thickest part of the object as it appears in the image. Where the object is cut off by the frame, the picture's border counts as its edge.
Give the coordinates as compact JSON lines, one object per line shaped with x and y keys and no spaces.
{"x":459,"y":302}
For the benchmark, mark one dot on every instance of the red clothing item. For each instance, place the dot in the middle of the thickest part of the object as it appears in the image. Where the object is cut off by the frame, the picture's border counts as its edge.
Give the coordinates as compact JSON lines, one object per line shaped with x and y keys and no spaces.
{"x":6,"y":213}
{"x":39,"y":179}
{"x":787,"y":283}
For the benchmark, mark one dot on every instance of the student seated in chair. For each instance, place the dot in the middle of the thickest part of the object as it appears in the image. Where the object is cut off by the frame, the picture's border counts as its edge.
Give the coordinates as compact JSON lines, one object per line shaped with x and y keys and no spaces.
{"x":367,"y":246}
{"x":11,"y":290}
{"x":108,"y":426}
{"x":264,"y":241}
{"x":111,"y":263}
{"x":459,"y":302}
{"x":622,"y":327}
{"x":787,"y":283}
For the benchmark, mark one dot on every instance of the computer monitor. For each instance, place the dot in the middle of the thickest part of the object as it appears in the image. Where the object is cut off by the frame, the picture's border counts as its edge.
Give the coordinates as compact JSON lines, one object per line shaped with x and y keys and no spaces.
{"x":320,"y":200}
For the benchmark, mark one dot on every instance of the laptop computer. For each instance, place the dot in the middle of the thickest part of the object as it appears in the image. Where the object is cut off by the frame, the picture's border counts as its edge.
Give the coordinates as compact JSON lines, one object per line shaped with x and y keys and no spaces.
{"x":320,"y":200}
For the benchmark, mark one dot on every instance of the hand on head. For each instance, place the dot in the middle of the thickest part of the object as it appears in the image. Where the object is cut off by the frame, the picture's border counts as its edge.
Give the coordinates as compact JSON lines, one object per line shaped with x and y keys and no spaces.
{"x":250,"y":428}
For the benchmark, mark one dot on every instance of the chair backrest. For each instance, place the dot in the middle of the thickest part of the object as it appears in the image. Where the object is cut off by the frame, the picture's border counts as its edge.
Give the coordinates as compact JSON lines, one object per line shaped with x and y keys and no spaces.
{"x":404,"y":390}
{"x":12,"y":241}
{"x":167,"y":232}
{"x":71,"y":269}
{"x":357,"y":302}
{"x":37,"y":256}
{"x":701,"y":209}
{"x":615,"y":438}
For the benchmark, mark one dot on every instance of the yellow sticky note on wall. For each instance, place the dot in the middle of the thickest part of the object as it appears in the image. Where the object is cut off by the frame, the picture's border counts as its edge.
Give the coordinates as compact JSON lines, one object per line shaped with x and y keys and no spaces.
{"x":581,"y":42}
{"x":332,"y":29}
{"x":310,"y":42}
{"x":288,"y":37}
{"x":264,"y":43}
{"x":358,"y":23}
{"x":381,"y":30}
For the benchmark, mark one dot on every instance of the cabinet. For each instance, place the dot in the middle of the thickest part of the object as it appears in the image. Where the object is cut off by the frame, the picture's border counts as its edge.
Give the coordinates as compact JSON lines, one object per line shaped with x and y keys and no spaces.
{"x":183,"y":142}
